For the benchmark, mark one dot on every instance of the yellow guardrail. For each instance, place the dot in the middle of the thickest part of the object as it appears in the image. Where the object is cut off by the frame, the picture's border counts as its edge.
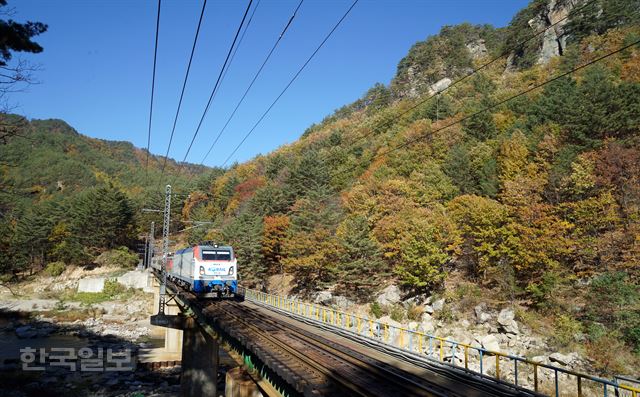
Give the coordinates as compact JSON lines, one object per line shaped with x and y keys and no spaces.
{"x":446,"y":351}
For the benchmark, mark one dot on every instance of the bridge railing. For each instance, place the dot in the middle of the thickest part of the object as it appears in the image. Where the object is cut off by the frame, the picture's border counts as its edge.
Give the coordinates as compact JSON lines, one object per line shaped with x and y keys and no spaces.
{"x":502,"y":367}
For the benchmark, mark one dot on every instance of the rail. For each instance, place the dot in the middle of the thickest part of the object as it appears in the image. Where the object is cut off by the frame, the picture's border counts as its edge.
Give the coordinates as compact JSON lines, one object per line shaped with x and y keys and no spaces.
{"x":503,"y":367}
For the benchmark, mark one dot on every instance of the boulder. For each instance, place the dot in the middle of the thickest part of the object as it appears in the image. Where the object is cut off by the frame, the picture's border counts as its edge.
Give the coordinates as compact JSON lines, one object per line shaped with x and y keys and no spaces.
{"x":505,"y":316}
{"x":489,"y":342}
{"x":562,"y":359}
{"x":482,"y":316}
{"x":324,"y":298}
{"x":26,"y":332}
{"x":93,"y":284}
{"x":342,"y":302}
{"x":427,"y":328}
{"x":507,"y":322}
{"x":440,"y":85}
{"x":438,"y":305}
{"x":428,"y":309}
{"x":511,"y":328}
{"x":389,"y":295}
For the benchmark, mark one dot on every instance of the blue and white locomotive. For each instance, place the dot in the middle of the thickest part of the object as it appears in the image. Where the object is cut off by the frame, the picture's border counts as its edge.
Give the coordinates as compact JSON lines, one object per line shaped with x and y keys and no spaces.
{"x":206,"y":269}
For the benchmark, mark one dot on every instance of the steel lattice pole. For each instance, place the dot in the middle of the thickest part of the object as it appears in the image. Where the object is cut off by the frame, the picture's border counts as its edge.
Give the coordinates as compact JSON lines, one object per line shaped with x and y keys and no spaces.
{"x":165,"y":248}
{"x":151,"y":244}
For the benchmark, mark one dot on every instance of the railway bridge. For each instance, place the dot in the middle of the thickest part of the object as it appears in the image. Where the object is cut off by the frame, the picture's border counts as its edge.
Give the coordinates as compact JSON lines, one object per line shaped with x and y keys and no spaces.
{"x":293,"y":348}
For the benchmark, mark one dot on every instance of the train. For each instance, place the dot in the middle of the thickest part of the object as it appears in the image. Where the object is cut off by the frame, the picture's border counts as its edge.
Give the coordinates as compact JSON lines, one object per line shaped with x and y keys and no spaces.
{"x":207,"y":269}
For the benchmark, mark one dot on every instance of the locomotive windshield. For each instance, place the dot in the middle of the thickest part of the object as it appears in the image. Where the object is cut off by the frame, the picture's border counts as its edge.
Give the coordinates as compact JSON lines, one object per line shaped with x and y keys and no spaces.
{"x":217,"y":255}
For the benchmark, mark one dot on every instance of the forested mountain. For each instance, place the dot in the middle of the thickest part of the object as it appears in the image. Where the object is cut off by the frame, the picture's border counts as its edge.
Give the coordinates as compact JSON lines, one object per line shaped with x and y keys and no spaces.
{"x":523,"y":178}
{"x":68,"y":197}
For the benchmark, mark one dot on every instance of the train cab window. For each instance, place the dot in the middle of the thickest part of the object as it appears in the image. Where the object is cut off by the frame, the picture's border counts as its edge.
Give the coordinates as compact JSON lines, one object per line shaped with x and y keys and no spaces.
{"x":217,"y":255}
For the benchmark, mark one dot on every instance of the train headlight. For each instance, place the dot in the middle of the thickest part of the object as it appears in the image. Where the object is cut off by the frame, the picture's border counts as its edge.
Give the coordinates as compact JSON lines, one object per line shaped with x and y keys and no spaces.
{"x":201,"y":270}
{"x":231,"y":270}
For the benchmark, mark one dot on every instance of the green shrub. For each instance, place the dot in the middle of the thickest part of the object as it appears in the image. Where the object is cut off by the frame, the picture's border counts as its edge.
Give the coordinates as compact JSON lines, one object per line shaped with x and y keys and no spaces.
{"x":118,"y":257}
{"x":446,"y":314}
{"x":566,"y":329}
{"x":397,"y":313}
{"x":113,"y":288}
{"x":375,"y":310}
{"x":55,"y":269}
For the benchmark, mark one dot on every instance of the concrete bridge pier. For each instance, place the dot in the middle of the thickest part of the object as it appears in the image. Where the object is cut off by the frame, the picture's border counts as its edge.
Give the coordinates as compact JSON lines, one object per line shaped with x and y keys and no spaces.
{"x":199,"y":361}
{"x":173,"y":337}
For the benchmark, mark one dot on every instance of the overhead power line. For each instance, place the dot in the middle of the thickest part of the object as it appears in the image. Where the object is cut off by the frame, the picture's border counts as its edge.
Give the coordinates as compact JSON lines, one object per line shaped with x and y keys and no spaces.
{"x":184,"y":85}
{"x":290,"y":82}
{"x":215,"y":87}
{"x":153,"y":85}
{"x":255,"y":77}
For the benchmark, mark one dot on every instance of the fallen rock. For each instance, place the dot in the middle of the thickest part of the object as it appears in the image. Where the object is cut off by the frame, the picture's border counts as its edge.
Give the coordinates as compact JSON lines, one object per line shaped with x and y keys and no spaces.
{"x":342,"y":302}
{"x":438,"y":305}
{"x":428,"y":309}
{"x":505,"y":316}
{"x":489,"y":342}
{"x":324,"y":297}
{"x":562,"y":359}
{"x":482,"y":316}
{"x":507,"y":322}
{"x":389,"y":295}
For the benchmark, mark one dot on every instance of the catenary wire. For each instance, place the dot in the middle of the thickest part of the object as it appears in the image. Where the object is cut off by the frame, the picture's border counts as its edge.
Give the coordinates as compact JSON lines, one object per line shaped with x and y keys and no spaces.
{"x":153,"y":85}
{"x":184,"y":85}
{"x":255,"y":77}
{"x":291,"y":82}
{"x":215,"y":87}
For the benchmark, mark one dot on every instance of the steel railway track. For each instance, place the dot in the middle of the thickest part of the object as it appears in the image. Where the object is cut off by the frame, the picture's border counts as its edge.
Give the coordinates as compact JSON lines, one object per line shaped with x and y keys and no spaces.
{"x":315,"y":365}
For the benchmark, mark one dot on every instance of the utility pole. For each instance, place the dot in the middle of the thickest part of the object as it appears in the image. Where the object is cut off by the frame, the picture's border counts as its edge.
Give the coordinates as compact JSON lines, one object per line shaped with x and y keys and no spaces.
{"x":146,"y":253}
{"x":165,"y":249}
{"x":151,"y":244}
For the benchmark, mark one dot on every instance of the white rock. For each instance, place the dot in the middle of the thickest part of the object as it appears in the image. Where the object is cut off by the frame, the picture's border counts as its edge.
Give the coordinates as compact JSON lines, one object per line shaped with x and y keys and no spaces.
{"x":464,"y":323}
{"x":481,"y":314}
{"x":428,"y":309}
{"x":426,"y":318}
{"x":324,"y":297}
{"x":136,"y":279}
{"x":511,"y":328}
{"x":438,"y":305}
{"x":490,"y":342}
{"x":440,"y":85}
{"x":505,"y":316}
{"x":562,"y":359}
{"x":389,"y":295}
{"x":342,"y":302}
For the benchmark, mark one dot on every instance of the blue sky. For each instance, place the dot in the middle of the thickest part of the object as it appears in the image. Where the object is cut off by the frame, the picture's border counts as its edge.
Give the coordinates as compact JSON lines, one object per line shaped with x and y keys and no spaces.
{"x":98,"y":59}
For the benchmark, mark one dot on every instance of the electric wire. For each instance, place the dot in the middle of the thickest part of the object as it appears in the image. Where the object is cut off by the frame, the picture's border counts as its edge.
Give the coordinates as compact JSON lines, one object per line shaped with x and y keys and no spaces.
{"x":184,"y":85}
{"x":255,"y":77}
{"x":153,"y":85}
{"x":344,"y":16}
{"x":215,"y":87}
